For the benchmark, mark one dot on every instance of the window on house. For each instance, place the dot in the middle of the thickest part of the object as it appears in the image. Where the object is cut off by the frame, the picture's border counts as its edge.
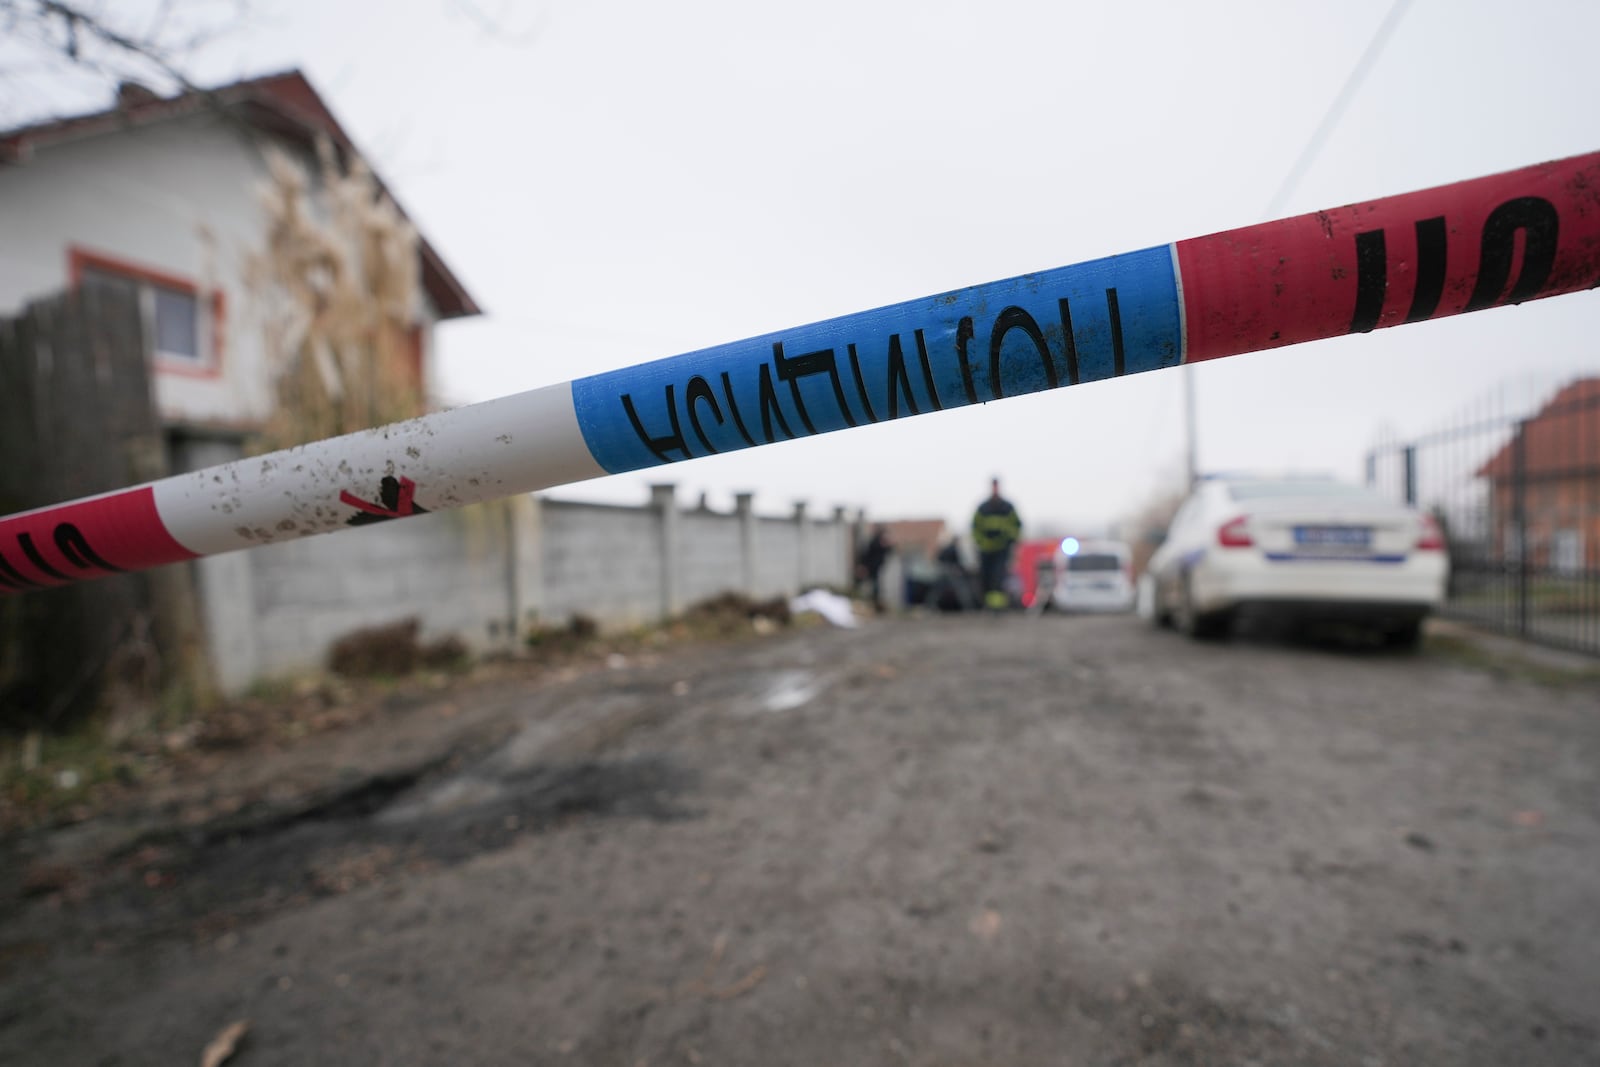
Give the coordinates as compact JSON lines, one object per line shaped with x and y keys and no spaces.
{"x":177,"y":327}
{"x":1566,"y":551}
{"x":175,"y":321}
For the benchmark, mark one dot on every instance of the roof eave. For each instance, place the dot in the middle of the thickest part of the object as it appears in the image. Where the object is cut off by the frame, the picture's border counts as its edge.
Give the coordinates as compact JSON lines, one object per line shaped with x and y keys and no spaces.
{"x":267,"y":108}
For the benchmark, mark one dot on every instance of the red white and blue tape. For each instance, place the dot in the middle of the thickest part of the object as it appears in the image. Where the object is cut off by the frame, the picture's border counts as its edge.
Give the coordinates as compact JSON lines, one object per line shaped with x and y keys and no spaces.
{"x":1504,"y":239}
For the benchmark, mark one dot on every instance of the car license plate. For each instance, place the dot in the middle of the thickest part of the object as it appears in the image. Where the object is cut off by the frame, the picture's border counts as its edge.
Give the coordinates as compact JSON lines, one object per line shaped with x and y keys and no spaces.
{"x":1334,"y":538}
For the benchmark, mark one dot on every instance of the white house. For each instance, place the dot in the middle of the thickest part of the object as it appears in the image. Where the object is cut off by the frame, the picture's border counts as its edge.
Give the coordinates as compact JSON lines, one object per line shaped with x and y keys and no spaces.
{"x":165,"y":195}
{"x":166,"y":198}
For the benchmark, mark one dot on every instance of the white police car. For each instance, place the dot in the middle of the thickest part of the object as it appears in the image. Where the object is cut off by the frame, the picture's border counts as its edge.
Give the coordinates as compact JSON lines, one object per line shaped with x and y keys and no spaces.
{"x":1093,"y":576}
{"x":1304,"y":547}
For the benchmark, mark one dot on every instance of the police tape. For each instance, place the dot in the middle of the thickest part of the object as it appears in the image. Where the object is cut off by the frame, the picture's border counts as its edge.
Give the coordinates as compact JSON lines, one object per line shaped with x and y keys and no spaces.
{"x":1472,"y":245}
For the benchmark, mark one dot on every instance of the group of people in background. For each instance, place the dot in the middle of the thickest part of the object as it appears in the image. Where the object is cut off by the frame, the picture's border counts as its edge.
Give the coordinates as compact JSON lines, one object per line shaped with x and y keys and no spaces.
{"x":996,"y":528}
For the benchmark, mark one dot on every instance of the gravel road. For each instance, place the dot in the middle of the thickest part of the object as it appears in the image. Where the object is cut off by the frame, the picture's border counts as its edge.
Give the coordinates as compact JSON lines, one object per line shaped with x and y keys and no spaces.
{"x":931,"y":841}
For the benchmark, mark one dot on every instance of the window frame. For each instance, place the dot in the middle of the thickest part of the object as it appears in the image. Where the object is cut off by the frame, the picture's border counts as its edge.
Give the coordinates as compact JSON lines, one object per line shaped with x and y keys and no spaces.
{"x":209,"y":310}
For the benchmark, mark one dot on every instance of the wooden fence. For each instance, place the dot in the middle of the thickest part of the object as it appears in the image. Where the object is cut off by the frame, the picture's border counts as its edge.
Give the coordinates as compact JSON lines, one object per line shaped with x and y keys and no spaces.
{"x":77,"y":418}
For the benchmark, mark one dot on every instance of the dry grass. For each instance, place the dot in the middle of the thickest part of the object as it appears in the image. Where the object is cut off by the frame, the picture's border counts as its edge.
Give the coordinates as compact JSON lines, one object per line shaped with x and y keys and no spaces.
{"x":336,"y":287}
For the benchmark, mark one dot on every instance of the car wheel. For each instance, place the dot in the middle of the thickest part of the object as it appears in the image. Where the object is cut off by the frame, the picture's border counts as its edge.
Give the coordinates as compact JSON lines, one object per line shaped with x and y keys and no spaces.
{"x":1159,"y":615}
{"x":1406,"y":636}
{"x":1201,"y":626}
{"x":1147,"y":602}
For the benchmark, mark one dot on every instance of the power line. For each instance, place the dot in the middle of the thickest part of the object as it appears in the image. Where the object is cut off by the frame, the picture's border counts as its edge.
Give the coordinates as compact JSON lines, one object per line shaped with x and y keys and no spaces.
{"x":1291,"y":181}
{"x":1336,"y":110}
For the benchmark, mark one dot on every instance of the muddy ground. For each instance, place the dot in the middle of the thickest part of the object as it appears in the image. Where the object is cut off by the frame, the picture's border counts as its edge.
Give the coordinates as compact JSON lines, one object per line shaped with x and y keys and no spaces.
{"x":933,"y":841}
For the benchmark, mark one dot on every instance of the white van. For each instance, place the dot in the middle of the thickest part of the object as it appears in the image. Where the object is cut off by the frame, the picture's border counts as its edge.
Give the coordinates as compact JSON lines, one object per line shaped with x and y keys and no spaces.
{"x":1093,"y":576}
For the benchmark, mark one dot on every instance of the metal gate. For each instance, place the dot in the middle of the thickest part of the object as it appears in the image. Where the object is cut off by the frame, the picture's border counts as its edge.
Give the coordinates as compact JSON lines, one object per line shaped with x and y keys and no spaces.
{"x":1516,"y":488}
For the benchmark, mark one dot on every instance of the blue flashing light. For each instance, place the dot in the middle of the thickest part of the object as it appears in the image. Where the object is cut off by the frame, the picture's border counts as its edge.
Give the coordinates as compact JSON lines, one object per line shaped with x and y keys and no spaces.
{"x":1070,"y":546}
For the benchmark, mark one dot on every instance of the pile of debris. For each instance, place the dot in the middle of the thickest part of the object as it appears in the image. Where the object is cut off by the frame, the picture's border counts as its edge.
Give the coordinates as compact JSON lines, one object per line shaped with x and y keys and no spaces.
{"x":735,"y":615}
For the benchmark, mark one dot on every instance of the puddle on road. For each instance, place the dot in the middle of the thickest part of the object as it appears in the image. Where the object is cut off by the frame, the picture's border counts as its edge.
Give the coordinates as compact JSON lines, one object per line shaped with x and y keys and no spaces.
{"x":443,"y":798}
{"x":789,"y":690}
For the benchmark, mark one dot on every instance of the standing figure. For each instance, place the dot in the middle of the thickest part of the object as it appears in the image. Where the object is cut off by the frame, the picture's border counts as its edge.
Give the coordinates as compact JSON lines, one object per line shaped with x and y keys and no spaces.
{"x":954,"y":591}
{"x":995,"y":529}
{"x":869,"y":564}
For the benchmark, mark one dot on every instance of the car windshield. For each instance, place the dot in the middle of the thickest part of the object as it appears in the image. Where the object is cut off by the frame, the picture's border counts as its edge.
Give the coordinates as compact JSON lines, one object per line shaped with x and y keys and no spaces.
{"x":1094,"y":561}
{"x":1304,"y":488}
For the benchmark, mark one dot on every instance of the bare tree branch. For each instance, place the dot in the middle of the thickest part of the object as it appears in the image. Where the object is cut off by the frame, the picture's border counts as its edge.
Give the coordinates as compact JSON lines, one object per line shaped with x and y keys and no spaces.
{"x":496,"y":27}
{"x":151,"y":50}
{"x":76,"y":40}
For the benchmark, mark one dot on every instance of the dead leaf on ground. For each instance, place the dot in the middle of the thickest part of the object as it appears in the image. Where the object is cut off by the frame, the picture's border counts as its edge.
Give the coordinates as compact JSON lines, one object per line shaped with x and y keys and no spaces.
{"x":224,"y":1044}
{"x":986,"y":924}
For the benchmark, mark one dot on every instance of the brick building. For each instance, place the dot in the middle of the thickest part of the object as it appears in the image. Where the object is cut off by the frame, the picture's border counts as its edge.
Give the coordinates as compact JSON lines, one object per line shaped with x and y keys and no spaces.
{"x":1552,"y":463}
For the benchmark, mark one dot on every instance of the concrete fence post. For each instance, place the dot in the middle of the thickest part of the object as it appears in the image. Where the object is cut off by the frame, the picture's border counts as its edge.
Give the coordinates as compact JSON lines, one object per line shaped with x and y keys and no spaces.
{"x":228,"y":608}
{"x":844,"y":550}
{"x":892,"y":581}
{"x":744,"y":509}
{"x":801,"y":527}
{"x":525,"y":567}
{"x":858,"y":539}
{"x":663,"y":499}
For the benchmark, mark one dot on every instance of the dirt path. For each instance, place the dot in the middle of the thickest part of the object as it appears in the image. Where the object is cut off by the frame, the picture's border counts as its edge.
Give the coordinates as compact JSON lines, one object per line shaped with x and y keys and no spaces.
{"x":945,"y":841}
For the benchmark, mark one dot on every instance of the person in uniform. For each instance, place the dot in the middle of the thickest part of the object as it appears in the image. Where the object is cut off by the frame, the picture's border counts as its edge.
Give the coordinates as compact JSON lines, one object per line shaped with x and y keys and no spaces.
{"x":995,"y":530}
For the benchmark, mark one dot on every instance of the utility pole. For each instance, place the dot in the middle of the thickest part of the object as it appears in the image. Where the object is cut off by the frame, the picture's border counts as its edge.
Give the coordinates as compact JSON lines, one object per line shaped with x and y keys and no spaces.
{"x":1189,"y":431}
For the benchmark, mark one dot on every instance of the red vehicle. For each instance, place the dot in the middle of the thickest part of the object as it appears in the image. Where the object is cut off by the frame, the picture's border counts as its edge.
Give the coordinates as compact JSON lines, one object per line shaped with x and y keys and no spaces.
{"x":1034,"y":567}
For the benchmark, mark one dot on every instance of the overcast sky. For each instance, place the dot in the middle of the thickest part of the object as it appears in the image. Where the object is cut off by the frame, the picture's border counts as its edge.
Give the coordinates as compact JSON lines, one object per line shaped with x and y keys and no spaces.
{"x":620,"y":181}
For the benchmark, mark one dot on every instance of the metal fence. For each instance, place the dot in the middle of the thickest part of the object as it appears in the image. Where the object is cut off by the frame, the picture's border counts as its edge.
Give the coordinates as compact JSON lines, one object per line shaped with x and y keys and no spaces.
{"x":1515,"y":485}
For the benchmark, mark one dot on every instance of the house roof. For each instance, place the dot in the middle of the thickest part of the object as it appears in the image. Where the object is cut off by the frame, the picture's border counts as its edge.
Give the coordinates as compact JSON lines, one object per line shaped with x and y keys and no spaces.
{"x":285,"y":104}
{"x":1563,"y":439}
{"x":913,"y":536}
